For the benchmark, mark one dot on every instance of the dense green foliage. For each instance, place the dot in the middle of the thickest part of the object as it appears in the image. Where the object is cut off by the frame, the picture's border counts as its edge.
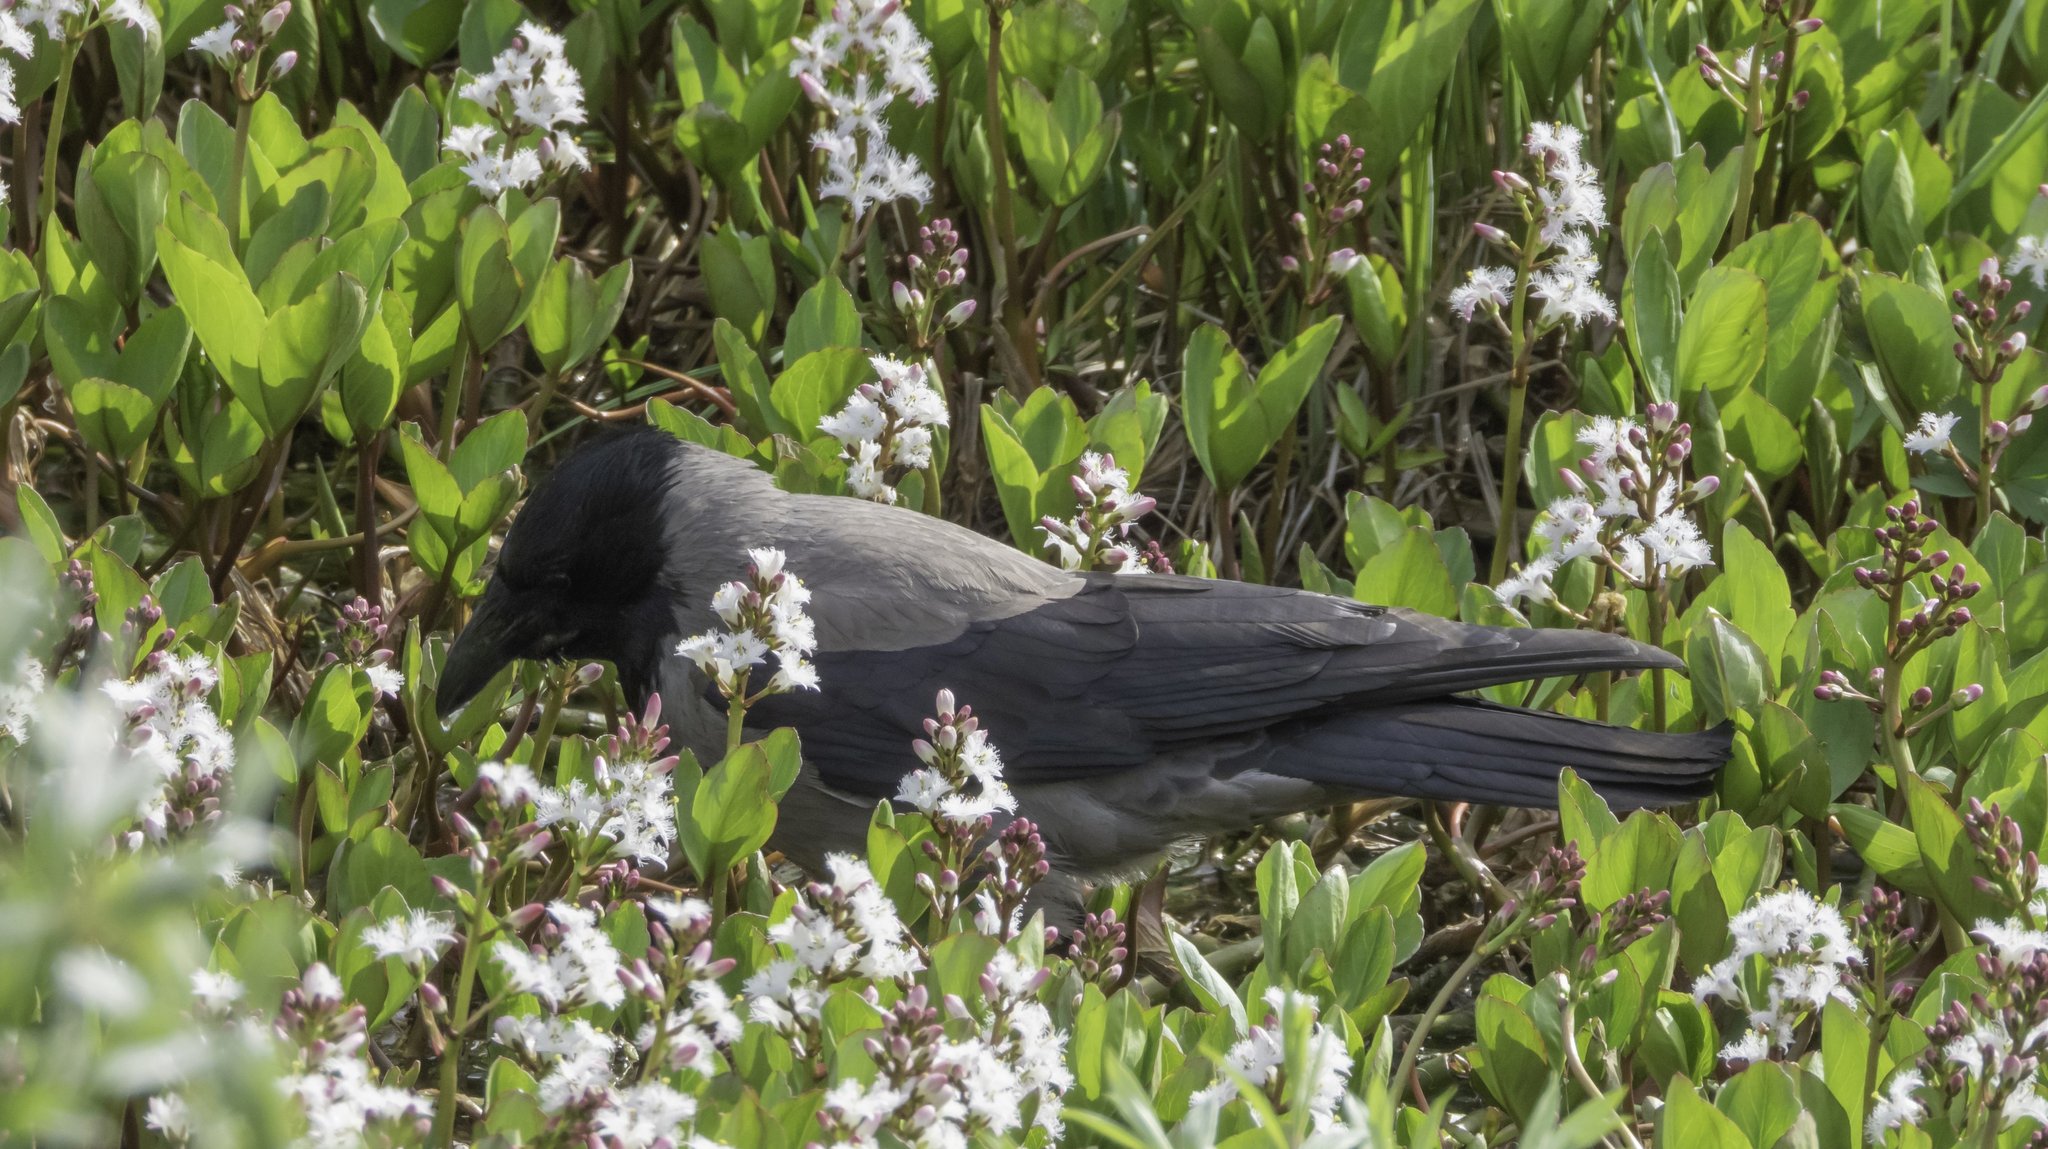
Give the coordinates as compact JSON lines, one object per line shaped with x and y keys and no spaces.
{"x":297,"y":297}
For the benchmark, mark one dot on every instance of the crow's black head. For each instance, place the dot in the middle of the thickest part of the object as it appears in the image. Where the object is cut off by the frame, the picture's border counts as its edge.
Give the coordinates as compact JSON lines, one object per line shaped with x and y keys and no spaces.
{"x":581,"y":572}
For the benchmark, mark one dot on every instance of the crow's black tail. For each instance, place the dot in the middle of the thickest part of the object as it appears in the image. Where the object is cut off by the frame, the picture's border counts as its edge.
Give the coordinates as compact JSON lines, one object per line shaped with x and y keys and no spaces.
{"x":1466,"y":750}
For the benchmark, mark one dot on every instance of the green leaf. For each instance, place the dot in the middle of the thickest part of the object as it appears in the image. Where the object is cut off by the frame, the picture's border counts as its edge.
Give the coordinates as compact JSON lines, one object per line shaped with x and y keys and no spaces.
{"x":230,"y":326}
{"x":826,"y":316}
{"x":1409,"y":573}
{"x":1689,"y":1121}
{"x":1650,"y":314}
{"x":1910,"y":332}
{"x":1730,"y":674}
{"x":1206,"y":984}
{"x":1232,"y":422}
{"x":1721,"y":346}
{"x":305,"y":344}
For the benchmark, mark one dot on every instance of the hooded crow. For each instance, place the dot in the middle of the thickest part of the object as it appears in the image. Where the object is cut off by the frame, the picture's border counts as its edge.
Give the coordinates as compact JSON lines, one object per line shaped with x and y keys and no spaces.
{"x":1132,"y":712}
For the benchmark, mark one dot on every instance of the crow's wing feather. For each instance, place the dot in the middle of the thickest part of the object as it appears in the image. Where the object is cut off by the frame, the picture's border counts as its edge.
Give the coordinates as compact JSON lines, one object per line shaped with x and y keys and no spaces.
{"x":1129,"y":667}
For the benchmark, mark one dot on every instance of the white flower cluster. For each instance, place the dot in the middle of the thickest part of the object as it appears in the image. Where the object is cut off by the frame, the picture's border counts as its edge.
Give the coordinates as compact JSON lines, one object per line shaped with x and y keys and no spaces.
{"x":1572,"y":207}
{"x":417,"y":939}
{"x":962,"y":777}
{"x":632,"y":804}
{"x":531,"y":91}
{"x":838,"y":930}
{"x":587,"y":1080}
{"x":1261,"y":1057}
{"x":581,"y":968}
{"x":860,"y":57}
{"x":887,"y":423}
{"x":963,"y":1088}
{"x":60,"y":20}
{"x":700,"y":1018}
{"x":764,"y":616}
{"x":1802,"y":947}
{"x":173,"y":729}
{"x":1628,"y":510}
{"x":335,"y":1092}
{"x":1099,"y":535}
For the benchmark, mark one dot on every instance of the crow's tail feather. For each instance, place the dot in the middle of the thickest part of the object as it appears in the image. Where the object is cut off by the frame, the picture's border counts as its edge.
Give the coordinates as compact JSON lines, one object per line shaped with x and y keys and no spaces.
{"x":1465,"y":750}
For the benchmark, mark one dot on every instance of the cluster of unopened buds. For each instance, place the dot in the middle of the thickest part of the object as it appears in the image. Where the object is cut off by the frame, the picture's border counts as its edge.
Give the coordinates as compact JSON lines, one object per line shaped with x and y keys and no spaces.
{"x":1624,"y":923}
{"x":318,"y":1019}
{"x":2014,"y":877}
{"x":1881,"y":931}
{"x":1989,"y":339}
{"x":1900,"y":546}
{"x":1985,"y":1051}
{"x":677,"y":979}
{"x":81,"y":627}
{"x":1100,"y":951}
{"x":1334,"y":195}
{"x":242,"y":39}
{"x":1098,"y":537}
{"x":493,"y":848}
{"x":1783,"y":24}
{"x":1552,"y":891}
{"x":936,"y":270}
{"x":1013,"y":864}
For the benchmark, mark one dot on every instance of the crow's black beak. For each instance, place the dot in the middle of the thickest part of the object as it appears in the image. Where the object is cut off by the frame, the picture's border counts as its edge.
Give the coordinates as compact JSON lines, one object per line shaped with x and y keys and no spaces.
{"x":495,"y":636}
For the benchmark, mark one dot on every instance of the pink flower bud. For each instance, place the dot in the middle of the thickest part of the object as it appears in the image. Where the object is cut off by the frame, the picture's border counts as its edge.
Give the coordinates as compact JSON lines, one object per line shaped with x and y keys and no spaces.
{"x":1511,"y":183}
{"x":1921,"y":697}
{"x":1800,"y":99}
{"x":900,"y":293}
{"x":274,"y":19}
{"x":1488,"y":232}
{"x":1808,"y":26}
{"x":961,"y":313}
{"x":283,"y":66}
{"x":1966,"y":695}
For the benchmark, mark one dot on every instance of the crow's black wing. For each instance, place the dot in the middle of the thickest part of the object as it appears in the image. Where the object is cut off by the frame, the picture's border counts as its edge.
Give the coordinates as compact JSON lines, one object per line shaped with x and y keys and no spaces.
{"x":1130,"y":667}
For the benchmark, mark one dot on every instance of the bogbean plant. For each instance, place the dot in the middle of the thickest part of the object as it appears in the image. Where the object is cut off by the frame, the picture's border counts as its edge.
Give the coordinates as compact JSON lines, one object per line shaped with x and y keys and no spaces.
{"x":1714,"y":325}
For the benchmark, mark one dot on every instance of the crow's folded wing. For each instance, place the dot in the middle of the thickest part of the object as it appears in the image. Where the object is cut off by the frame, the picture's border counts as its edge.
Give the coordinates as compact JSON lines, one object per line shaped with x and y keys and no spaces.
{"x":1132,"y":666}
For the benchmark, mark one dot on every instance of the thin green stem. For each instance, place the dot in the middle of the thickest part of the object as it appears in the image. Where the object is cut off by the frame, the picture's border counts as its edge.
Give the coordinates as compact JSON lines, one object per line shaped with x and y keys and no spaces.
{"x":451,"y":1058}
{"x":244,"y":109}
{"x":1411,"y":1052}
{"x":1521,"y":344}
{"x":59,"y":108}
{"x":1567,"y":1026}
{"x":1753,"y":123}
{"x":1659,"y":693}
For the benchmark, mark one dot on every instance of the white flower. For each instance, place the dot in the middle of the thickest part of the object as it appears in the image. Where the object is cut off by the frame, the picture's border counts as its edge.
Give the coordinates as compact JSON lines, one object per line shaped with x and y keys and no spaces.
{"x":582,"y":969}
{"x":1898,"y":1106}
{"x":1674,"y":541}
{"x":1753,"y":1045}
{"x":2011,"y":940}
{"x":1261,"y":1056}
{"x":168,"y":1115}
{"x":513,"y":782}
{"x":215,"y":992}
{"x":218,"y":42}
{"x":416,"y":939}
{"x":97,"y":980}
{"x":1532,"y":582}
{"x":385,"y":679}
{"x":2030,"y":258}
{"x":1557,"y":145}
{"x":18,"y":698}
{"x":1489,"y":286}
{"x":1933,"y":433}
